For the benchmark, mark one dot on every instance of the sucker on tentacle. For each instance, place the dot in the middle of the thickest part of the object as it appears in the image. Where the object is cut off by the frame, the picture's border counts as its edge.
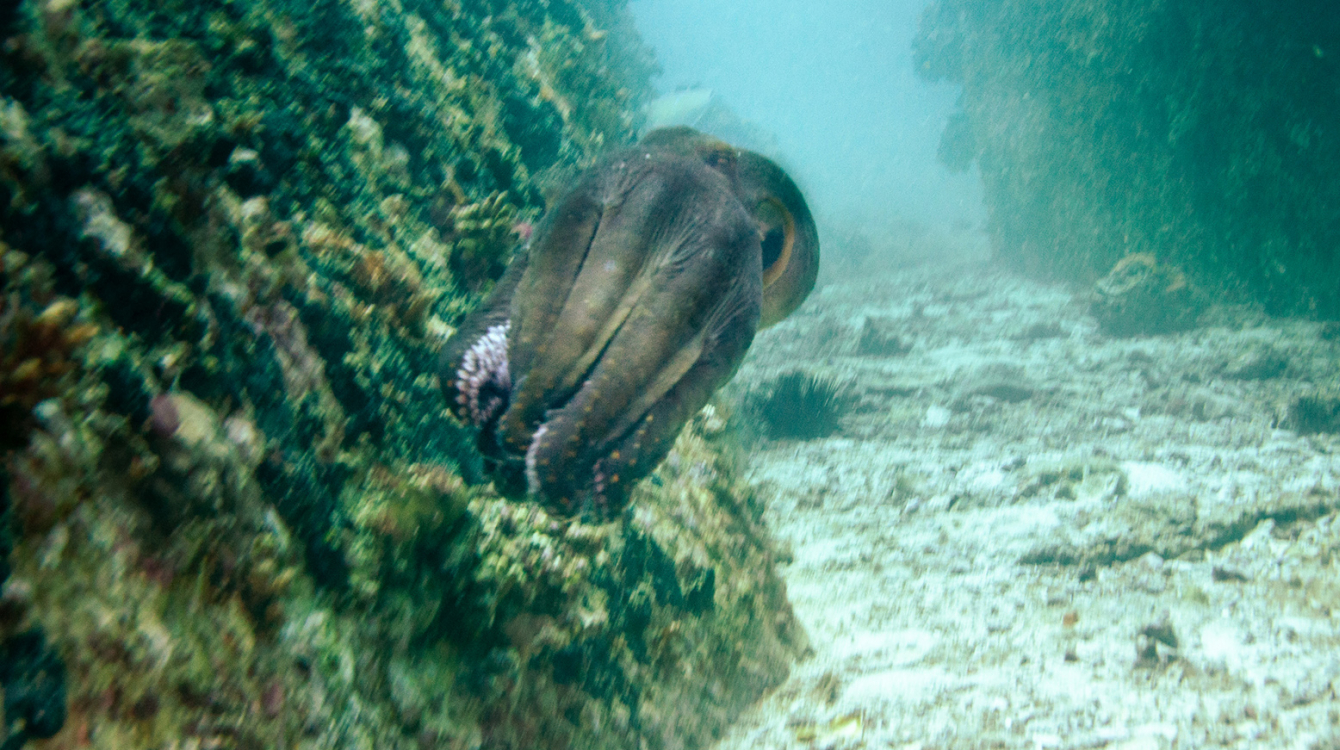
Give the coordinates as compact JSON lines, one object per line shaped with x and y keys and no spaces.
{"x":483,"y":383}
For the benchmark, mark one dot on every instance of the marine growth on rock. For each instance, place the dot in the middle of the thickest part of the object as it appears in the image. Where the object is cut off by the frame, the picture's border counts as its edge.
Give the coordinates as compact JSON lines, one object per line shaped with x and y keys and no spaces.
{"x":234,"y":510}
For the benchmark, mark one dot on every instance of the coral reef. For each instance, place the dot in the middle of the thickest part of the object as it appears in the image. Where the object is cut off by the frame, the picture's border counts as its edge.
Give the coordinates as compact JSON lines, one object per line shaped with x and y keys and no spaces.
{"x":1196,"y":133}
{"x":484,"y":238}
{"x":234,"y":510}
{"x":37,"y":344}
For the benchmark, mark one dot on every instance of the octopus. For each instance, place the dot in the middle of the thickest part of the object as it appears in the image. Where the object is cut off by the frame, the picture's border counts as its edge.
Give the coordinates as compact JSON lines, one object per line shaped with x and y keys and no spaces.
{"x":636,"y":299}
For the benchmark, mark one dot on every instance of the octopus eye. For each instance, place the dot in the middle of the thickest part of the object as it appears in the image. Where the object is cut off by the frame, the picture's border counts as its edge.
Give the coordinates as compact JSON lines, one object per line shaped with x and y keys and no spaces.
{"x":778,"y":230}
{"x":786,"y":231}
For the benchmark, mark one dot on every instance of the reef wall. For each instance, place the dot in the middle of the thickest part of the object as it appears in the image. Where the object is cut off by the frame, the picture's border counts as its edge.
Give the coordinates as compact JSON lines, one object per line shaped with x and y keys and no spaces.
{"x":235,"y":513}
{"x":1201,"y":133}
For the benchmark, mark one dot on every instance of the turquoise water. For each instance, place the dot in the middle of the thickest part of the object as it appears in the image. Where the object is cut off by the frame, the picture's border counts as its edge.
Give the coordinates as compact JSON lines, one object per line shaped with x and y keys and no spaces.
{"x":838,"y":90}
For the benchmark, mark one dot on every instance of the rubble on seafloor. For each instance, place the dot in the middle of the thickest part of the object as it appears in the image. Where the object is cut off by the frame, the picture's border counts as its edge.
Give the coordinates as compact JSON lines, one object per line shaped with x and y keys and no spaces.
{"x":236,"y":513}
{"x":1030,"y":532}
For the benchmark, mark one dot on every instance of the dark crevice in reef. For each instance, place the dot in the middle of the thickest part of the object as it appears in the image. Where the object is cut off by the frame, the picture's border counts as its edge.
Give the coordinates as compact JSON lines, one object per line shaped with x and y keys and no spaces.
{"x":9,"y":11}
{"x":134,"y":303}
{"x":533,"y":127}
{"x":7,"y":522}
{"x":643,"y":557}
{"x":303,"y":489}
{"x":329,"y":337}
{"x":33,"y":678}
{"x":128,"y":393}
{"x":301,"y":492}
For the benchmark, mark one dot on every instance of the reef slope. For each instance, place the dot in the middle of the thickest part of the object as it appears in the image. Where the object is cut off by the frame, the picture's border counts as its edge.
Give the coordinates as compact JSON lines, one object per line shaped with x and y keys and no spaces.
{"x":236,"y":513}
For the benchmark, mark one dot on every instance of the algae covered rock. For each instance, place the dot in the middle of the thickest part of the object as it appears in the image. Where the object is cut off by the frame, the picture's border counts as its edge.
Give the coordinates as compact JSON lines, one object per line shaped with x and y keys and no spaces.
{"x":661,"y":629}
{"x":1197,"y":132}
{"x":235,"y":512}
{"x":1141,"y":296}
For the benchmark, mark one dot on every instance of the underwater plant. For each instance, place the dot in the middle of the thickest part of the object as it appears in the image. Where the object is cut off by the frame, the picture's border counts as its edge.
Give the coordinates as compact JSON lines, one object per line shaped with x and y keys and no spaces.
{"x":800,"y":406}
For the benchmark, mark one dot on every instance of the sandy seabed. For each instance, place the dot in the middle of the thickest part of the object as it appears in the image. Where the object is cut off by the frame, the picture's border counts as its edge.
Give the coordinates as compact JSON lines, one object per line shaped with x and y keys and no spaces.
{"x":1031,"y":535}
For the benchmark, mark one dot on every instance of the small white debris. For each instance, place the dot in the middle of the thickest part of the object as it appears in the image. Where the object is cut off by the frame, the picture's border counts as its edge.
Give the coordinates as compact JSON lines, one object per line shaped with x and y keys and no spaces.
{"x":936,"y":417}
{"x":1144,"y":479}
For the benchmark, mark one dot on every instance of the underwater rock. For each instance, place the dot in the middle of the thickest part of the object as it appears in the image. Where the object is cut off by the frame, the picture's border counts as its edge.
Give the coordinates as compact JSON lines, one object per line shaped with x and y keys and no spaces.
{"x":1157,"y":642}
{"x":604,"y":618}
{"x":1039,"y":332}
{"x":1140,"y":296}
{"x":998,"y":380}
{"x":1103,"y":129}
{"x":1313,"y":413}
{"x":882,"y":337}
{"x":1262,"y":363}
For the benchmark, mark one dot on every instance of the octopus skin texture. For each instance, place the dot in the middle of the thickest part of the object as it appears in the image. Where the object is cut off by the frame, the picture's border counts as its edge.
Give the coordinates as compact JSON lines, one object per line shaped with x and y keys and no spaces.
{"x":637,"y":297}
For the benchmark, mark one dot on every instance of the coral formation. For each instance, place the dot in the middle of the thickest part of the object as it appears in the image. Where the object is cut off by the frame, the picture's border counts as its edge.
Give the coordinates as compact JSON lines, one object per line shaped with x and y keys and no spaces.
{"x":484,"y":237}
{"x":1194,"y":132}
{"x":37,"y":344}
{"x":235,"y":510}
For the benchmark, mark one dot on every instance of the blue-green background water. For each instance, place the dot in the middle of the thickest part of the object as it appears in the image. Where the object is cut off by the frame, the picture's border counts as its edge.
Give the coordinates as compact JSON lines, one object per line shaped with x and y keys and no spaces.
{"x":836,"y":84}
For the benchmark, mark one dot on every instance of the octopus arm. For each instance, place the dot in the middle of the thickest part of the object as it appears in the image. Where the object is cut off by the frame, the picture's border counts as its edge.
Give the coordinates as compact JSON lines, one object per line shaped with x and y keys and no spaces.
{"x":688,"y":322}
{"x":624,"y":275}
